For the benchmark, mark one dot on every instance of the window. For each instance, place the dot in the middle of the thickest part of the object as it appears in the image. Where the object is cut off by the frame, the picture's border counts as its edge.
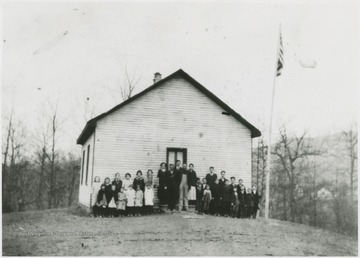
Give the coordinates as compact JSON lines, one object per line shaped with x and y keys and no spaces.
{"x":82,"y":168}
{"x":174,"y":154}
{"x":87,"y":164}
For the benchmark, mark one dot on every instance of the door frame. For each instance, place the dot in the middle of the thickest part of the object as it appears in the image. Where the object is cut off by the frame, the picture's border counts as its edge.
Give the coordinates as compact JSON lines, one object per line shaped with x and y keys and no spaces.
{"x":183,"y":150}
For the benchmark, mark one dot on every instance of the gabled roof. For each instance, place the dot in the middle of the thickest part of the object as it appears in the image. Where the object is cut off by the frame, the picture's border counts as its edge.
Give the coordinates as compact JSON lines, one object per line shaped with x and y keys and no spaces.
{"x":91,"y":124}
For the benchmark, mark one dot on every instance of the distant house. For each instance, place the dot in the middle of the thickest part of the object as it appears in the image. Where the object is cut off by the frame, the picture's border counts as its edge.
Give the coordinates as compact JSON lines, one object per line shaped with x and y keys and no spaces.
{"x":175,"y":118}
{"x":324,"y":194}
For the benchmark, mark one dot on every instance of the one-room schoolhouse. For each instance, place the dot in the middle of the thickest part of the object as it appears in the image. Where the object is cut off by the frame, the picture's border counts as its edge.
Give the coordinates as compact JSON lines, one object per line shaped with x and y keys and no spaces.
{"x":176,"y":118}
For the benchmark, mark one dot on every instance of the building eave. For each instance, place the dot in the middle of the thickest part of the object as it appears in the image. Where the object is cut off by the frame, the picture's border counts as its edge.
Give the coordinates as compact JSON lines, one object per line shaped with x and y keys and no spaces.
{"x":91,"y":124}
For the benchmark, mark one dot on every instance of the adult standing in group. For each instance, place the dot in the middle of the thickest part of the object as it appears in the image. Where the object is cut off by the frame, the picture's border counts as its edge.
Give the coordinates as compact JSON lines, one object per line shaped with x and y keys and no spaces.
{"x":178,"y":173}
{"x":108,"y":194}
{"x":184,"y":182}
{"x":162,"y":184}
{"x":171,"y":187}
{"x":149,"y":180}
{"x":192,"y":192}
{"x":242,"y":204}
{"x":222,"y":184}
{"x":211,"y":177}
{"x":232,"y":183}
{"x":257,"y":198}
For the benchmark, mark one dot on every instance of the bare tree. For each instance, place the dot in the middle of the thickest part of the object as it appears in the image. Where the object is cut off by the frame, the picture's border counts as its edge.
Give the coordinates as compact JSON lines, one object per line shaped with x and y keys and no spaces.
{"x":7,"y":143}
{"x":259,"y":167}
{"x":291,"y":151}
{"x":352,"y":140}
{"x":51,"y":158}
{"x":41,"y":154}
{"x":6,"y":147}
{"x":18,"y":174}
{"x":129,"y":84}
{"x":72,"y":183}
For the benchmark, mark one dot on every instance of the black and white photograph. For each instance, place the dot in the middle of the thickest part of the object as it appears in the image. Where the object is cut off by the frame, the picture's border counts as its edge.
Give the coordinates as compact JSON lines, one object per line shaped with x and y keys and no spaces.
{"x":179,"y":128}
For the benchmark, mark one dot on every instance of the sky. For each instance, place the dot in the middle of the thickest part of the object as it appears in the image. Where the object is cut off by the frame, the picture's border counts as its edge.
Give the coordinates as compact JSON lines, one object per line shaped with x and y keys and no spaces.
{"x":73,"y":55}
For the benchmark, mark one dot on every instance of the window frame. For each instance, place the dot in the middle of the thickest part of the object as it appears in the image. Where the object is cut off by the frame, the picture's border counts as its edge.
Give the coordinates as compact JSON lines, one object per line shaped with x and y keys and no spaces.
{"x":82,"y":167}
{"x":87,"y":165}
{"x":183,"y":150}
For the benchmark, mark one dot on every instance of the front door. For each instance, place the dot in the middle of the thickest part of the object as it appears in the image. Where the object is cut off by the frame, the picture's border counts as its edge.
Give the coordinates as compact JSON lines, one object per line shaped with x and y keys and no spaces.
{"x":174,"y":154}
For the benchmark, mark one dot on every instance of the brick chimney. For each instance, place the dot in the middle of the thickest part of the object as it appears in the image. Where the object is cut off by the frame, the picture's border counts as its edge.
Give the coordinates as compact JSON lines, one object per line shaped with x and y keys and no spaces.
{"x":157,"y":77}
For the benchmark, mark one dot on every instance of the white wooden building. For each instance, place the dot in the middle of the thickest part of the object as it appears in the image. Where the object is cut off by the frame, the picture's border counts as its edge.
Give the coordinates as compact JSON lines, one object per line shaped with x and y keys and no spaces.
{"x":175,"y":118}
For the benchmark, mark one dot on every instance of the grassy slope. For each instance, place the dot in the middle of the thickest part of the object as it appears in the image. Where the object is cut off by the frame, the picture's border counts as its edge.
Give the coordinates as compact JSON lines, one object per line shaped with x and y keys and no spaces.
{"x":168,"y":234}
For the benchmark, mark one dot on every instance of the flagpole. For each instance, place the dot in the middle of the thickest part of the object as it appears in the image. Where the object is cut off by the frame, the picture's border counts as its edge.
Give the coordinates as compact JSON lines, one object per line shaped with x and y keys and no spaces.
{"x":267,"y":189}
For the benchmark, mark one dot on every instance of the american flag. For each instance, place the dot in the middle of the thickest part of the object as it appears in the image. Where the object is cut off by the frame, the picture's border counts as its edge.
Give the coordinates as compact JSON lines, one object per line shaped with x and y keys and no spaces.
{"x":280,"y":58}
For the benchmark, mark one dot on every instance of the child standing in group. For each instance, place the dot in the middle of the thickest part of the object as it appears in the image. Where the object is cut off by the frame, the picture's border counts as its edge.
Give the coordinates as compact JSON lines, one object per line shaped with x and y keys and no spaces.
{"x":149,"y":199}
{"x":95,"y":190}
{"x":215,"y":202}
{"x":139,"y":196}
{"x":234,"y":202}
{"x":207,"y":199}
{"x":225,"y":199}
{"x":112,"y":203}
{"x":121,"y":203}
{"x":204,"y":183}
{"x":249,"y":203}
{"x":101,"y":202}
{"x":130,"y":201}
{"x":199,"y":195}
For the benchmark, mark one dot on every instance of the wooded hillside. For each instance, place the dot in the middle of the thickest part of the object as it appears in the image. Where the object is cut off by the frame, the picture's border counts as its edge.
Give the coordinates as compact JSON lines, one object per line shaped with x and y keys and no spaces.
{"x":313,"y":180}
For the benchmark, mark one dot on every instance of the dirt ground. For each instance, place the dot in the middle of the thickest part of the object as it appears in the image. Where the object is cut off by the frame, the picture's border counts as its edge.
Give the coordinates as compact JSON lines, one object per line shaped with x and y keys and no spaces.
{"x":65,"y":232}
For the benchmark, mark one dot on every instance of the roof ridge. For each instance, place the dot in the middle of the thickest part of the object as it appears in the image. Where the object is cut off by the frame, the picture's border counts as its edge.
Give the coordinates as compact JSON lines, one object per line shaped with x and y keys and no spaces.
{"x":91,"y":124}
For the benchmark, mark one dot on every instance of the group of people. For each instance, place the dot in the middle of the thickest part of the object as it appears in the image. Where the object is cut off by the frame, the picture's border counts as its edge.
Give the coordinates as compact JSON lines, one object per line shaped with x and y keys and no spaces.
{"x":123,"y":197}
{"x":213,"y":195}
{"x":177,"y":186}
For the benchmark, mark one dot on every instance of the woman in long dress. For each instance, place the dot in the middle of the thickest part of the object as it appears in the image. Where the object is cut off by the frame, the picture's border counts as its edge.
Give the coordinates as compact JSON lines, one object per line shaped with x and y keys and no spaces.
{"x":192,"y":190}
{"x":149,"y":178}
{"x":162,"y":184}
{"x":95,"y":190}
{"x":127,"y":181}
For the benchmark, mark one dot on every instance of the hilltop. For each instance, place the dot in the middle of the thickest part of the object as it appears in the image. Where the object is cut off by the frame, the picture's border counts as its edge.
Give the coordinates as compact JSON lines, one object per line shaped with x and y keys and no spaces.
{"x":65,"y":232}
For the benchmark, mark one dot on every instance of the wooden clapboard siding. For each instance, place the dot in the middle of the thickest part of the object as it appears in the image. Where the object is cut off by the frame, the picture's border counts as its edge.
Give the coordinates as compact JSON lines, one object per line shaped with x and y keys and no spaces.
{"x":85,"y":188}
{"x":175,"y":114}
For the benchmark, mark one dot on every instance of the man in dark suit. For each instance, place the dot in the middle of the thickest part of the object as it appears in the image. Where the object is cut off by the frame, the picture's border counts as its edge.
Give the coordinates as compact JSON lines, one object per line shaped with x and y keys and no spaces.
{"x":242,"y":202}
{"x":240,"y":185}
{"x":225,"y":200}
{"x":178,"y":172}
{"x":211,"y":177}
{"x":171,"y":187}
{"x":222,"y":179}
